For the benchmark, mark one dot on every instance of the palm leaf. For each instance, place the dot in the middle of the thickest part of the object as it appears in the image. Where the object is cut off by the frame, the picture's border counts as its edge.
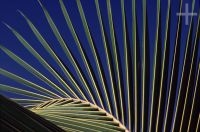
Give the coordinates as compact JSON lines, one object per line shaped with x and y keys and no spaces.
{"x":77,"y":114}
{"x":141,"y":92}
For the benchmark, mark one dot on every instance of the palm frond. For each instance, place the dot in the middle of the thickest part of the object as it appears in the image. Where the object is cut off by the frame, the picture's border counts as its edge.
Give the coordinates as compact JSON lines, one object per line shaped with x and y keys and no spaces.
{"x":143,"y":90}
{"x":78,"y":115}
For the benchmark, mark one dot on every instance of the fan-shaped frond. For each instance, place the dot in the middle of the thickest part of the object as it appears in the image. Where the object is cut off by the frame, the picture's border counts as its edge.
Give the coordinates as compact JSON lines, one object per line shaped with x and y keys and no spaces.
{"x":139,"y":88}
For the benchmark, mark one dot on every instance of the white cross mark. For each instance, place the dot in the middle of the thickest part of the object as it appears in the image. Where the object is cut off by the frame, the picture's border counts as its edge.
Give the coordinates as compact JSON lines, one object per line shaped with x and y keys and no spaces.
{"x":186,"y":14}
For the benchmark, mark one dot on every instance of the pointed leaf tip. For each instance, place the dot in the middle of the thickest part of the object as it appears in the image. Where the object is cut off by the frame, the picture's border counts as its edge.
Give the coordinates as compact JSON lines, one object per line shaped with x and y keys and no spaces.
{"x":40,"y":3}
{"x":21,"y":13}
{"x":8,"y":26}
